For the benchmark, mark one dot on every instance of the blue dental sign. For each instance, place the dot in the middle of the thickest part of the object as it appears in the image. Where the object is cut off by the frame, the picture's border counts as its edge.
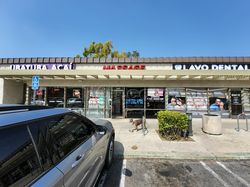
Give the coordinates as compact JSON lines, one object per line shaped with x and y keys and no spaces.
{"x":35,"y":82}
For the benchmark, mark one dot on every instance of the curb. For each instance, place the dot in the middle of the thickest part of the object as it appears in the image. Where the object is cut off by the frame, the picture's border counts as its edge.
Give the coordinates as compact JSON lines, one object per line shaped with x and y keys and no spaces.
{"x":183,"y":156}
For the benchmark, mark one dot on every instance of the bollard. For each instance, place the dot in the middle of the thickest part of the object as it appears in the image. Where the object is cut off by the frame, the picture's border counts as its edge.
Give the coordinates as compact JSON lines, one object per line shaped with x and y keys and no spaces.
{"x":190,"y":128}
{"x":238,"y":121}
{"x":144,"y":128}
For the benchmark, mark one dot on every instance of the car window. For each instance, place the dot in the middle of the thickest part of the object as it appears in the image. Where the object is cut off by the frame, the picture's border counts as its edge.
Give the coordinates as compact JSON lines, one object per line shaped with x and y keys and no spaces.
{"x":18,"y":161}
{"x":58,"y":136}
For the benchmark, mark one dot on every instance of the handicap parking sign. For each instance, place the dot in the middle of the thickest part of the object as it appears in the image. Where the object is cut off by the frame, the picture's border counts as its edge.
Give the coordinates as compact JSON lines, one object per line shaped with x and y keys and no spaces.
{"x":35,"y":82}
{"x":35,"y":78}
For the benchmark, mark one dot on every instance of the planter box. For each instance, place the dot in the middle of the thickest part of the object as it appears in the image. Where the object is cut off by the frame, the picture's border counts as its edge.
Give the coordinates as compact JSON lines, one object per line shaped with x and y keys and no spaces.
{"x":211,"y":124}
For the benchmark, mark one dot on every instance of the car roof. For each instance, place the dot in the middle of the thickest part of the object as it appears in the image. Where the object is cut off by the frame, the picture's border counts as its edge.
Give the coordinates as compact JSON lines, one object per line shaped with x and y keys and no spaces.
{"x":9,"y":107}
{"x":14,"y":118}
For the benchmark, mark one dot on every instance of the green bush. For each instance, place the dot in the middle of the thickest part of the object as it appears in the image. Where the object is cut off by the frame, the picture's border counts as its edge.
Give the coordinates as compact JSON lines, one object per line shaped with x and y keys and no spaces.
{"x":172,"y":124}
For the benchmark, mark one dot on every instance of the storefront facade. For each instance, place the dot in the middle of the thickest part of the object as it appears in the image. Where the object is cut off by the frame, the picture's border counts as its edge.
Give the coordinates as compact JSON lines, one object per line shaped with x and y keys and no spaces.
{"x":130,"y":88}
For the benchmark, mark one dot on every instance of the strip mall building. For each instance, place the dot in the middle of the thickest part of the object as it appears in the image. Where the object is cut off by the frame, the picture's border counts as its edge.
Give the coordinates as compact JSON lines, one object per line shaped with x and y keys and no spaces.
{"x":124,"y":87}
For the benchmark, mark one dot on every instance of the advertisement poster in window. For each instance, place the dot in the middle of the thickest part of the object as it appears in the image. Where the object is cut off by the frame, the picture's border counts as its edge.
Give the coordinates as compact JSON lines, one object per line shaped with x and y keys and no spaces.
{"x":158,"y":92}
{"x":77,"y":93}
{"x":176,"y":103}
{"x":135,"y":98}
{"x":218,"y":104}
{"x":155,"y":98}
{"x":197,"y":103}
{"x":236,"y":97}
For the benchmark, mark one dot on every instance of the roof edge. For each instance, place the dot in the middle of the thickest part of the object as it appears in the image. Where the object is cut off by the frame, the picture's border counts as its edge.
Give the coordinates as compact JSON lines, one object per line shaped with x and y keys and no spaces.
{"x":82,"y":60}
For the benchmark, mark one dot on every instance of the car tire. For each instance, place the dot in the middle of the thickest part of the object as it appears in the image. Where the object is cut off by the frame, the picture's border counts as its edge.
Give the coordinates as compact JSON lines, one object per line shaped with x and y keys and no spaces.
{"x":110,"y":153}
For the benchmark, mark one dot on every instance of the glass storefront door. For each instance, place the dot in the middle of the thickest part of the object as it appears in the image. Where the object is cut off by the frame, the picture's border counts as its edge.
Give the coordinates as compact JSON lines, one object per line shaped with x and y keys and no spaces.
{"x":117,"y":104}
{"x":236,"y":103}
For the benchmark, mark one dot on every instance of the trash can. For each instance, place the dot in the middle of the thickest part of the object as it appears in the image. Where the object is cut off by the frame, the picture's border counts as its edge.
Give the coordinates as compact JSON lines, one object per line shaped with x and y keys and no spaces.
{"x":211,"y":124}
{"x":190,"y":128}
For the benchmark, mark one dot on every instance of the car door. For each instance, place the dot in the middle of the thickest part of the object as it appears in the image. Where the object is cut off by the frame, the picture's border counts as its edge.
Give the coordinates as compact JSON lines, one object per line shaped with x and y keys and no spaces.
{"x":100,"y":147}
{"x":20,"y":165}
{"x":74,"y":140}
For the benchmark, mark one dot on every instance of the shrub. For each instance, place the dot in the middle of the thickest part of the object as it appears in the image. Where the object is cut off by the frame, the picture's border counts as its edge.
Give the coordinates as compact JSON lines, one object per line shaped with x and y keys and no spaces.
{"x":172,"y":124}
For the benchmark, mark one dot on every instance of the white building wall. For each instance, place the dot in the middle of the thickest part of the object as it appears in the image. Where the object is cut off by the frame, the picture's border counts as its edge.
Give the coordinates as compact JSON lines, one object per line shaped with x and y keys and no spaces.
{"x":1,"y":90}
{"x":12,"y":92}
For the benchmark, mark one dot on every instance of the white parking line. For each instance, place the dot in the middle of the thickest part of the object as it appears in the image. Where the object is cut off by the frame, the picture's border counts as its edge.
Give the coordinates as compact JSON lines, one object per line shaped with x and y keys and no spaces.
{"x":122,"y":181}
{"x":214,"y":174}
{"x":235,"y":175}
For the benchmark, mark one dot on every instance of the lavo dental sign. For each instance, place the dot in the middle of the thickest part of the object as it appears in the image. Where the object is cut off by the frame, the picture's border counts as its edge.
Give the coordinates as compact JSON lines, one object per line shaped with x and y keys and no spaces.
{"x":42,"y":66}
{"x":211,"y":66}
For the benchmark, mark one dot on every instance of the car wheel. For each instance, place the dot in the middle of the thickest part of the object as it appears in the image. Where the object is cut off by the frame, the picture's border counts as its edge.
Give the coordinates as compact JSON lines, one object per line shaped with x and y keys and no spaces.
{"x":110,"y":153}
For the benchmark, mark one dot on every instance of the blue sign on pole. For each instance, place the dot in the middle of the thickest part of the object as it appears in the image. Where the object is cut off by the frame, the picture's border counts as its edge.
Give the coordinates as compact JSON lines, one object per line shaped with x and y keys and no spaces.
{"x":35,"y":82}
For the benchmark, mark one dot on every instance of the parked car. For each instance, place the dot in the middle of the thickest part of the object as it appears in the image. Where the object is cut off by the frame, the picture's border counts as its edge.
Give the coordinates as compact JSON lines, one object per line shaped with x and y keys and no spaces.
{"x":55,"y":101}
{"x":52,"y":147}
{"x":75,"y":102}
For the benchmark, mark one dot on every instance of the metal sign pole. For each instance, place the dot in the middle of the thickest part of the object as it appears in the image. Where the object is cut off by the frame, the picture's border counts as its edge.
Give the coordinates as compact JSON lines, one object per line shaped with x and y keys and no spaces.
{"x":34,"y":96}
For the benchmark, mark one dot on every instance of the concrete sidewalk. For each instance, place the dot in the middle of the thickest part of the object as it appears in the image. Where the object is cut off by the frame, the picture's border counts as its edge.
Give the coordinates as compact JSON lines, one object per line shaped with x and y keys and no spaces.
{"x":230,"y":145}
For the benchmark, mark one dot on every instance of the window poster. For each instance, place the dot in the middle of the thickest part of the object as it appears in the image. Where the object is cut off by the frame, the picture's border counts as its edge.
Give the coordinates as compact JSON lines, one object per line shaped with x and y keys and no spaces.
{"x":96,"y":98}
{"x":155,"y":92}
{"x":218,"y":99}
{"x":197,"y":100}
{"x":197,"y":103}
{"x":175,"y":100}
{"x":155,"y":98}
{"x":218,"y":104}
{"x":176,"y":103}
{"x":236,"y":97}
{"x":134,"y":98}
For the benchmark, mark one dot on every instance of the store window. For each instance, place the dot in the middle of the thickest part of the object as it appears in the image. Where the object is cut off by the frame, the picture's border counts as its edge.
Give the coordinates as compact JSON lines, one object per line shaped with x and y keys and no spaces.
{"x":196,"y":101}
{"x":218,"y":100}
{"x":176,"y":99}
{"x":74,"y":98}
{"x":246,"y":100}
{"x":134,"y":102}
{"x":155,"y":101}
{"x":134,"y":97}
{"x":39,"y":96}
{"x":96,"y":102}
{"x":55,"y":97}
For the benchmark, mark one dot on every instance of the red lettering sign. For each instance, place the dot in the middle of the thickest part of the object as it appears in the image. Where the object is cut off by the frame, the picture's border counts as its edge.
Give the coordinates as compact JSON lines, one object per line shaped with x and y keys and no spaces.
{"x":124,"y":67}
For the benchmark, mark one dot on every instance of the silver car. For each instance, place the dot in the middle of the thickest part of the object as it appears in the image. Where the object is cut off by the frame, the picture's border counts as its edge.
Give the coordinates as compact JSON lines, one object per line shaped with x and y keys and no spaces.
{"x":53,"y":147}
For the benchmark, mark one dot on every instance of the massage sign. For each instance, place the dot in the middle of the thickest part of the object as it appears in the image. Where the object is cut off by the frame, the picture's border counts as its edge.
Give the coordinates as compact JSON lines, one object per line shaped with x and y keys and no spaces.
{"x":124,"y":67}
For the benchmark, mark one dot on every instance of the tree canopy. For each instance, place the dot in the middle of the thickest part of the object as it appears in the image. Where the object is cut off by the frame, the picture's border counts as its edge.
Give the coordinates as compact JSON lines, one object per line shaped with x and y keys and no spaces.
{"x":105,"y":49}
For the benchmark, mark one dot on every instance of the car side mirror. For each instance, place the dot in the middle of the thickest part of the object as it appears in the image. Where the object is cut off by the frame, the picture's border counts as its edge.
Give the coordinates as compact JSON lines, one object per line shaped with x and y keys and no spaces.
{"x":100,"y":130}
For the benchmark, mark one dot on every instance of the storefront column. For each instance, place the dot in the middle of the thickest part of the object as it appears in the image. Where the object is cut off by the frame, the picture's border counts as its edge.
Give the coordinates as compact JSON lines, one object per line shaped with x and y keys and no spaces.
{"x":85,"y":100}
{"x":46,"y":96}
{"x":145,"y":98}
{"x":123,"y":104}
{"x":186,"y":108}
{"x":64,"y":97}
{"x":105,"y":102}
{"x":208,"y":103}
{"x":27,"y":96}
{"x":230,"y":105}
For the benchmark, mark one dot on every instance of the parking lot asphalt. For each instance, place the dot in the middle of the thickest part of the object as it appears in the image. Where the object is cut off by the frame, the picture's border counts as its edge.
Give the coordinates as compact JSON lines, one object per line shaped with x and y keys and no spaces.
{"x":231,"y":144}
{"x":177,"y":173}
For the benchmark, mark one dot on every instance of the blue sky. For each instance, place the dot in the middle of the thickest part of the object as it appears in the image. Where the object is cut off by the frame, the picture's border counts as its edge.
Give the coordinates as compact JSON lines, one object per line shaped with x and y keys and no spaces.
{"x":156,"y":28}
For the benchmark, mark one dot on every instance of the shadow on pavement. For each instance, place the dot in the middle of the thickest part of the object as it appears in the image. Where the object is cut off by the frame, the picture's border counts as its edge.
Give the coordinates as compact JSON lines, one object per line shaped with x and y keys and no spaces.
{"x":115,"y":171}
